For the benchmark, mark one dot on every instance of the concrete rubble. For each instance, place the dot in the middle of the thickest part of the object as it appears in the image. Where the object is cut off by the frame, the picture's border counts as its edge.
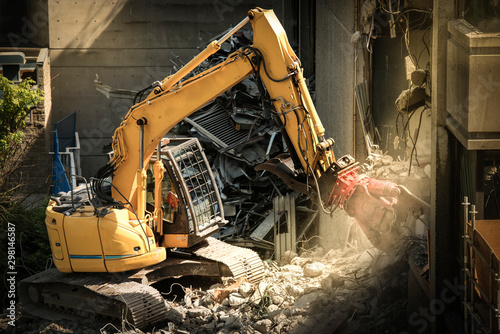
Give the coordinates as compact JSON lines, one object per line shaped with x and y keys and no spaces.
{"x":351,"y":291}
{"x":358,"y":290}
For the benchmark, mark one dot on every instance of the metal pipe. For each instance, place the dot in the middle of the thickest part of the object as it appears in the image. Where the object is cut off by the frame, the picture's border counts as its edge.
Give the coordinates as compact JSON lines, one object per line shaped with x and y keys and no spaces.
{"x":141,"y":146}
{"x":466,"y":261}
{"x":472,"y":259}
{"x":232,"y":31}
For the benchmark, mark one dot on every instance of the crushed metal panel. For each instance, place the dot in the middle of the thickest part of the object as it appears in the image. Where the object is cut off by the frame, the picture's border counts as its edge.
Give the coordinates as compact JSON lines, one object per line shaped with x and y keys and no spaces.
{"x":285,"y":234}
{"x":266,"y":226}
{"x":215,"y":125}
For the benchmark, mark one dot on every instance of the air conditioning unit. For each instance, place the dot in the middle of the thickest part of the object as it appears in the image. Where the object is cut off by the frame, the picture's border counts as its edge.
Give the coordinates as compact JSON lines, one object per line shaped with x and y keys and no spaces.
{"x":473,"y":86}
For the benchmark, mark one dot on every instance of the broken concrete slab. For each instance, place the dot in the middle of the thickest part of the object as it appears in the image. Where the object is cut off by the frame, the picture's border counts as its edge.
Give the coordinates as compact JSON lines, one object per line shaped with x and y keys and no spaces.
{"x":313,"y":269}
{"x":176,"y":314}
{"x":303,"y":303}
{"x":236,"y":299}
{"x":410,"y":99}
{"x":263,"y":326}
{"x":198,"y":312}
{"x":418,"y":77}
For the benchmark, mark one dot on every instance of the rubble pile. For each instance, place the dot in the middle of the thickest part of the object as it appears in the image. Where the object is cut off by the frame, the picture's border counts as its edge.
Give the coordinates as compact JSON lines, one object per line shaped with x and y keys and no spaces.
{"x":417,"y":178}
{"x":398,"y":171}
{"x":341,"y":291}
{"x":362,"y":291}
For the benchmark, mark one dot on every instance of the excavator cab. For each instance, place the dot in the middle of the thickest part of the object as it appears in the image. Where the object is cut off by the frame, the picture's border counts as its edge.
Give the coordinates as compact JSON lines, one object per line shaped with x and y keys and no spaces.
{"x":189,"y":200}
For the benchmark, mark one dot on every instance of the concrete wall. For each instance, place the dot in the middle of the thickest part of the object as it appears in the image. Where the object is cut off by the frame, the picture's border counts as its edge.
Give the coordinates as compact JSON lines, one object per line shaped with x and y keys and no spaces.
{"x":24,"y":23}
{"x":129,"y":44}
{"x":335,"y":96}
{"x":335,"y":71}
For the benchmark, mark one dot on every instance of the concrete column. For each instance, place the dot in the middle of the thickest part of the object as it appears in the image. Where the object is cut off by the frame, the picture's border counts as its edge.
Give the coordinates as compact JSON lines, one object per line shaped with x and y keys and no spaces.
{"x":442,"y":187}
{"x":334,"y":97}
{"x":335,"y":72}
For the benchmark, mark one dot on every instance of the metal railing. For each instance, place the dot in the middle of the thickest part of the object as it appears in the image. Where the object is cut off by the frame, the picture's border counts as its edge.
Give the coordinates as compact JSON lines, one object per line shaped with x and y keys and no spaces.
{"x":68,"y":148}
{"x":488,"y":290}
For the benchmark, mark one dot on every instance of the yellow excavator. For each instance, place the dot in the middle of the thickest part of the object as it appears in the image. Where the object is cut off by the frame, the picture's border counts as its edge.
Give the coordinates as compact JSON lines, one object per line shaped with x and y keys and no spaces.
{"x":109,"y":238}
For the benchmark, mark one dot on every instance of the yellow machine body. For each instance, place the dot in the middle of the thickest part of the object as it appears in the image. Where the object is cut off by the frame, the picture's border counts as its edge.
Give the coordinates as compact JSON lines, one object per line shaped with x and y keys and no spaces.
{"x":83,"y":242}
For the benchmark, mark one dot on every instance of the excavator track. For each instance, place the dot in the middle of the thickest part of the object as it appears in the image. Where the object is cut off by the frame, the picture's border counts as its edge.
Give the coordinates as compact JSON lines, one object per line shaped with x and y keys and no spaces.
{"x":56,"y":296}
{"x":242,"y":262}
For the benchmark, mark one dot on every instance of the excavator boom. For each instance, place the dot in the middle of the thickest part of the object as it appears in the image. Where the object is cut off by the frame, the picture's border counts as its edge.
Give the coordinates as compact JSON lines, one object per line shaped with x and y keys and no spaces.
{"x":270,"y":57}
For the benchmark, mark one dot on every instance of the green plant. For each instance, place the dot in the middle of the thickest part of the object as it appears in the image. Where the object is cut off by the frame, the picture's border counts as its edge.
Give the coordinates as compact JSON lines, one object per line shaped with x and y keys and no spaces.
{"x":32,"y":247}
{"x":24,"y":230}
{"x":15,"y":102}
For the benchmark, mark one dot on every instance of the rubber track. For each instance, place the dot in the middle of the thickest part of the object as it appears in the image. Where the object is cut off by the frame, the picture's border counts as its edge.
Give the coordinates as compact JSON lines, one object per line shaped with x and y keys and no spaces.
{"x":241,"y":261}
{"x":145,"y":304}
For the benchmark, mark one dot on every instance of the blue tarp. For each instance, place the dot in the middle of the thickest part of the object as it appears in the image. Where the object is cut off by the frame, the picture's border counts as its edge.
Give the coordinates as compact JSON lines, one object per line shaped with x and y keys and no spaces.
{"x":66,"y":128}
{"x":59,"y":179}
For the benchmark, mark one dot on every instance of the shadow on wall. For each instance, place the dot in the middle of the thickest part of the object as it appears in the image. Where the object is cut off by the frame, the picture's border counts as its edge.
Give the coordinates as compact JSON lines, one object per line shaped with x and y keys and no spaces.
{"x":129,"y":44}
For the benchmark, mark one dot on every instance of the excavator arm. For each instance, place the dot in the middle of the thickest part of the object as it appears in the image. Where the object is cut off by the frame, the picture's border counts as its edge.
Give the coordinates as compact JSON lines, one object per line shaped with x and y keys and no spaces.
{"x":271,"y":57}
{"x":378,"y":206}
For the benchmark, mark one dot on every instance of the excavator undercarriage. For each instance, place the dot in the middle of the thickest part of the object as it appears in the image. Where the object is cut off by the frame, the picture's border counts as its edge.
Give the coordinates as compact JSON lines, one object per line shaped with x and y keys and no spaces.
{"x":130,"y":295}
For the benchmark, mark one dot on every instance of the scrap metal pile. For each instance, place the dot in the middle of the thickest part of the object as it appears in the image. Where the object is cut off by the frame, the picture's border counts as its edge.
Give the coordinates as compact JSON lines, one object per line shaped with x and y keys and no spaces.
{"x":238,"y":133}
